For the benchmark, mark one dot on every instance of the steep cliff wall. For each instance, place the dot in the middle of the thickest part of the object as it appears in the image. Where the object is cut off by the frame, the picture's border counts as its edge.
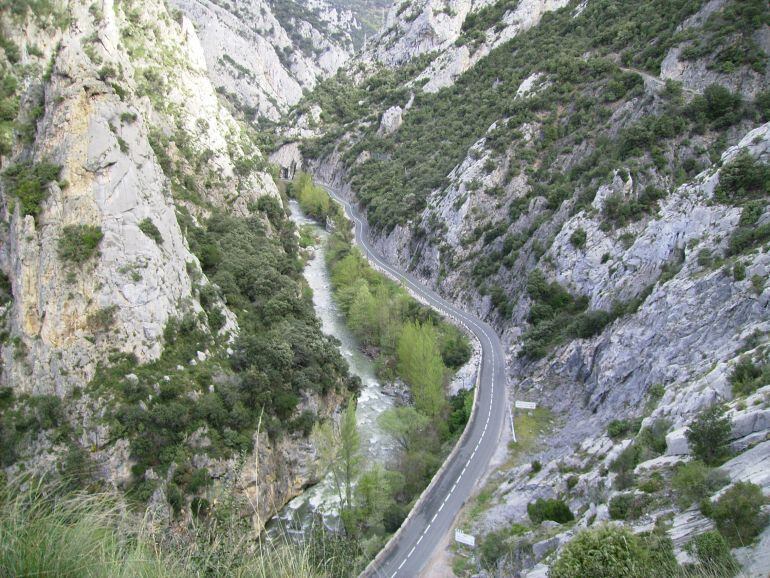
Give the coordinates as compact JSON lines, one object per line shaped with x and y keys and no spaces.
{"x":122,"y":160}
{"x":263,"y":55}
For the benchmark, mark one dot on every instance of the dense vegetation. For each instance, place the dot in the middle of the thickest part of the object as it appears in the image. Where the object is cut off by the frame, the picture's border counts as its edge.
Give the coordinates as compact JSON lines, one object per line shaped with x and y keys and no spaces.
{"x":609,"y":551}
{"x":28,"y":182}
{"x":408,"y":341}
{"x":48,"y":530}
{"x":279,"y":355}
{"x":440,"y":128}
{"x":313,"y":200}
{"x":78,"y":243}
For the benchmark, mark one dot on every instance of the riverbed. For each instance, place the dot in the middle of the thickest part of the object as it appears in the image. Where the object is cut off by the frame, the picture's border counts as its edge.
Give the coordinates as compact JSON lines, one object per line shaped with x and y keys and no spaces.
{"x":376,"y":445}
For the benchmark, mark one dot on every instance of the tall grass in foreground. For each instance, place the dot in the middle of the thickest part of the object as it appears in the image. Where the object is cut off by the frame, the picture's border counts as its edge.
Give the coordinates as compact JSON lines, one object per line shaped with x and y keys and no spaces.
{"x":45,"y":532}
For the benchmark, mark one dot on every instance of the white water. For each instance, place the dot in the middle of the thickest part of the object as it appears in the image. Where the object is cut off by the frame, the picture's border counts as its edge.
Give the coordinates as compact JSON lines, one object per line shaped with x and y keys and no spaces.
{"x":375,"y":444}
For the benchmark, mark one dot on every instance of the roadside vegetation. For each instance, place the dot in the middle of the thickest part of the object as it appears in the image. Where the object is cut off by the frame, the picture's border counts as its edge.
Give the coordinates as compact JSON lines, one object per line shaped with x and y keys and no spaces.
{"x":49,"y":530}
{"x":408,"y":342}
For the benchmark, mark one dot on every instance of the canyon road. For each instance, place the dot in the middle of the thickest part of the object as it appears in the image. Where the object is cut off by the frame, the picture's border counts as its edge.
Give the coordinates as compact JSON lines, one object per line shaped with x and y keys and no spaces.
{"x":434,"y":514}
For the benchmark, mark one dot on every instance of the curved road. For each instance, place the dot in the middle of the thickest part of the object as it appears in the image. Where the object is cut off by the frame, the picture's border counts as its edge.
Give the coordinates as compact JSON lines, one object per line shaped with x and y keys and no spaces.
{"x":436,"y":511}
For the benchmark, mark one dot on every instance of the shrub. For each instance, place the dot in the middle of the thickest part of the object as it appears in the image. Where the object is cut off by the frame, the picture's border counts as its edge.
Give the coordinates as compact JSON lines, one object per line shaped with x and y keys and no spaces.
{"x":743,"y":178}
{"x":709,"y":435}
{"x":738,"y":514}
{"x":628,"y":506}
{"x":29,"y":183}
{"x":748,"y":376}
{"x":619,"y":428}
{"x":578,"y":238}
{"x":147,"y":227}
{"x":79,"y":243}
{"x":739,"y":271}
{"x":695,"y":481}
{"x":653,"y":484}
{"x":713,"y":554}
{"x":493,"y":547}
{"x":128,"y":117}
{"x":605,"y":552}
{"x":653,"y":437}
{"x":103,"y":318}
{"x":551,"y":509}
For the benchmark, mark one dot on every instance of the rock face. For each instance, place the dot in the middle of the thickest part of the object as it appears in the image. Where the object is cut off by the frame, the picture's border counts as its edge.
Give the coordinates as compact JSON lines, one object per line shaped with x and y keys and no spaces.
{"x":680,"y":304}
{"x":263,"y":55}
{"x":127,"y":110}
{"x":413,"y":29}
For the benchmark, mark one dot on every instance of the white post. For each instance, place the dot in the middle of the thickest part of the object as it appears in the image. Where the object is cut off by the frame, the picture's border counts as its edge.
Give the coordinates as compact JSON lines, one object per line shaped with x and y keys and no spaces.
{"x":510,"y":414}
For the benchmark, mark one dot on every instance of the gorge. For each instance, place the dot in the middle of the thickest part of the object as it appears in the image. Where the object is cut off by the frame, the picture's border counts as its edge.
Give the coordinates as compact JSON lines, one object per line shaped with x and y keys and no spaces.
{"x":580,"y":186}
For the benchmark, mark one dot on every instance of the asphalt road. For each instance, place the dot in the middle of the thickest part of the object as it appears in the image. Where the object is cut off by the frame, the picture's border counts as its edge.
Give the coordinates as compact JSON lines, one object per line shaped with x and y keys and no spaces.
{"x":436,"y":513}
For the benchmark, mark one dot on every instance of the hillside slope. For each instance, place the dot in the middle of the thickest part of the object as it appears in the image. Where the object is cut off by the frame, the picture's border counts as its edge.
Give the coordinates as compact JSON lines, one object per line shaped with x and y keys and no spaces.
{"x":600,"y":195}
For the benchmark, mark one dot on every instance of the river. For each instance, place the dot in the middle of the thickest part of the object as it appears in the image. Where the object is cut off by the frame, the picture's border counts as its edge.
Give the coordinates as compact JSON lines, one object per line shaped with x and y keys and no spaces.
{"x":376,"y":445}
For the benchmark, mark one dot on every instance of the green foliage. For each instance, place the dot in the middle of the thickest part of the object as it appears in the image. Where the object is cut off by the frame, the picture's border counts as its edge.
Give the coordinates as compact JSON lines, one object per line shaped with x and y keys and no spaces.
{"x":441,"y":127}
{"x":695,"y":481}
{"x":552,"y":308}
{"x":713,"y":554}
{"x":79,"y":243}
{"x":405,"y":425}
{"x":147,"y":227}
{"x":313,"y":200}
{"x":551,"y":509}
{"x":556,"y":315}
{"x":619,"y":428}
{"x":421,"y":366}
{"x":728,"y":38}
{"x":279,"y":355}
{"x":47,"y":531}
{"x":606,"y":552}
{"x":748,"y":376}
{"x":460,"y":408}
{"x":21,"y":419}
{"x":578,"y":238}
{"x":709,"y":435}
{"x":738,"y":514}
{"x":628,"y":506}
{"x":29,"y":182}
{"x":742,"y":179}
{"x":618,"y":211}
{"x":649,"y":443}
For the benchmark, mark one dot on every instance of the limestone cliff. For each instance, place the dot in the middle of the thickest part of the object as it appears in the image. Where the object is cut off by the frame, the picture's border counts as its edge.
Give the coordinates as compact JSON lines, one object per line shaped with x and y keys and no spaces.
{"x":509,"y":176}
{"x":263,"y":55}
{"x":123,"y":151}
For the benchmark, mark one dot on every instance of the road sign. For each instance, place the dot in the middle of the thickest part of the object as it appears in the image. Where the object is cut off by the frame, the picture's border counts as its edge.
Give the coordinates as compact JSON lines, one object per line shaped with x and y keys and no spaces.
{"x":525,"y":404}
{"x":464,"y":538}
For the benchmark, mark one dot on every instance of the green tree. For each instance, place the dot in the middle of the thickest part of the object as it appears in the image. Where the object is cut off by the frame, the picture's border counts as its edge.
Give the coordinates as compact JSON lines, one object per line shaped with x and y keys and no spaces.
{"x":405,"y":425}
{"x":709,"y":435}
{"x":373,"y":496}
{"x":420,"y":364}
{"x":362,"y":316}
{"x":339,"y":452}
{"x":350,"y":450}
